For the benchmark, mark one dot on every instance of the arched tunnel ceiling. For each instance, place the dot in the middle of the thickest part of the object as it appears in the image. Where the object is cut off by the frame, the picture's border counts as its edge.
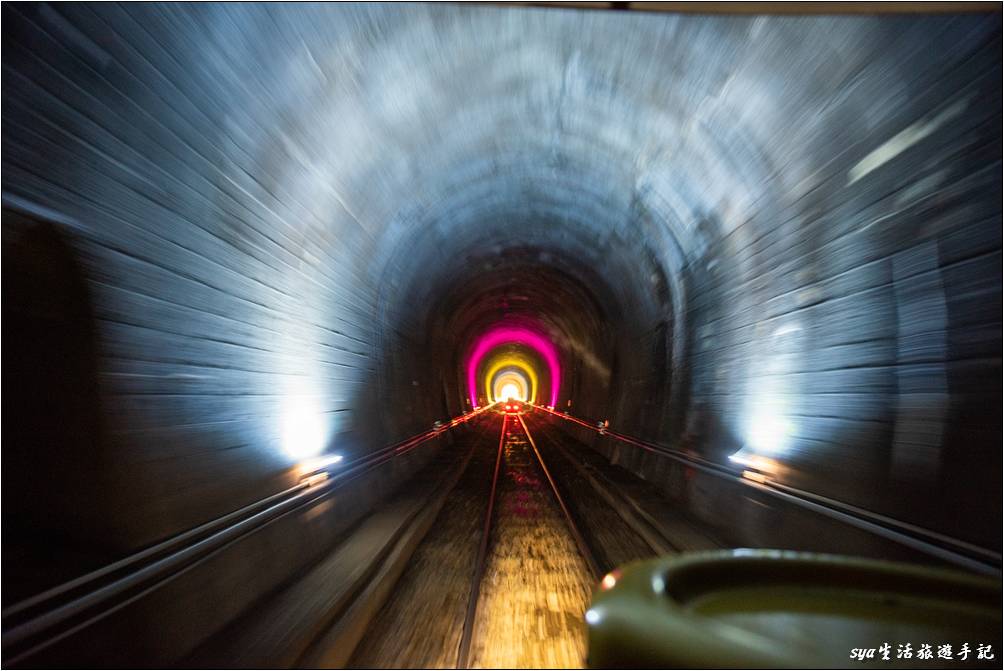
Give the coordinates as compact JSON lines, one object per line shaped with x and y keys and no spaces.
{"x":454,"y":114}
{"x":439,"y":131}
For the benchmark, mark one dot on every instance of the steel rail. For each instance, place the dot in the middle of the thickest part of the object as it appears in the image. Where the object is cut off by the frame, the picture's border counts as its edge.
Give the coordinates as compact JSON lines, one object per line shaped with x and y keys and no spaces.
{"x":464,"y":650}
{"x":165,"y":561}
{"x":644,"y":525}
{"x":580,"y":541}
{"x":909,"y":535}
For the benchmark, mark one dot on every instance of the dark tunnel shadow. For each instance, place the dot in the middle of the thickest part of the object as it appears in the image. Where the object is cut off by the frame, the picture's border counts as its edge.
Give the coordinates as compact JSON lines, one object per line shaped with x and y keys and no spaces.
{"x":52,"y":436}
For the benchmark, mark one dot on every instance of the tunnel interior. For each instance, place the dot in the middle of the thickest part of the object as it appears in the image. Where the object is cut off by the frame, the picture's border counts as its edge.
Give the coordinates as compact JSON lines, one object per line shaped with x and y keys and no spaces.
{"x":754,"y":238}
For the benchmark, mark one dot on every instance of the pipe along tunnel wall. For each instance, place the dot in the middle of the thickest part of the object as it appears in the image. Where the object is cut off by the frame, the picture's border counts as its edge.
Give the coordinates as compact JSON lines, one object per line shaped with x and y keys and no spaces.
{"x":287,"y":226}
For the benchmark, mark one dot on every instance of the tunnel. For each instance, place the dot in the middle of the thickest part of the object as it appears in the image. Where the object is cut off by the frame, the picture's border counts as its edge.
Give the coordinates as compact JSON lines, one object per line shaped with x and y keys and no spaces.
{"x":272,"y":270}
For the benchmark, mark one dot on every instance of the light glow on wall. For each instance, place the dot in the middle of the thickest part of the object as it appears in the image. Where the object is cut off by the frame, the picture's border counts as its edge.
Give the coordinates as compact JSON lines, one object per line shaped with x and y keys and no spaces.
{"x":768,"y":433}
{"x":304,"y":428}
{"x":768,"y":428}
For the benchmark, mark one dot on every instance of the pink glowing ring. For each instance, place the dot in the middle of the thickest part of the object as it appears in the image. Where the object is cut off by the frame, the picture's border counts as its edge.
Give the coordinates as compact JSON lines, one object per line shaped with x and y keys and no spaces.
{"x":505,"y":335}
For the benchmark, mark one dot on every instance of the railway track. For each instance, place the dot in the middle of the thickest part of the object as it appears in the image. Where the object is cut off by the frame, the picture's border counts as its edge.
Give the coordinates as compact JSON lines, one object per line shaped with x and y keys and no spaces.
{"x":537,"y":559}
{"x":533,"y":580}
{"x":511,"y":546}
{"x":463,"y":655}
{"x":512,"y":561}
{"x":530,"y":572}
{"x":619,"y":529}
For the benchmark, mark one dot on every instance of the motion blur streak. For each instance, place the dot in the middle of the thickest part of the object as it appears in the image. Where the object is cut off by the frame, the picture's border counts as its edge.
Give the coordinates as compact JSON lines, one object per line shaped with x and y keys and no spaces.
{"x":242,"y":241}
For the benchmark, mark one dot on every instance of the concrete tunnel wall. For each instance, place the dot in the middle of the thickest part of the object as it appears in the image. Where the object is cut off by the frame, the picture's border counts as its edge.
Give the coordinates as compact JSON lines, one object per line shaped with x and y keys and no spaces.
{"x":749,"y":215}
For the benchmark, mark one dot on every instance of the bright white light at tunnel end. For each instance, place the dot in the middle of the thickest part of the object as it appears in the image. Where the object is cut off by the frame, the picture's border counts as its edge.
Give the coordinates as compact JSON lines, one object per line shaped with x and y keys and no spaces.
{"x":511,"y":391}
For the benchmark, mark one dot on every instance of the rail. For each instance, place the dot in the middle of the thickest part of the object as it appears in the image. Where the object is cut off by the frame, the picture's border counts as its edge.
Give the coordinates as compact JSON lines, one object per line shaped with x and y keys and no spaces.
{"x":580,"y":540}
{"x":477,"y":577}
{"x":639,"y":520}
{"x":463,"y":656}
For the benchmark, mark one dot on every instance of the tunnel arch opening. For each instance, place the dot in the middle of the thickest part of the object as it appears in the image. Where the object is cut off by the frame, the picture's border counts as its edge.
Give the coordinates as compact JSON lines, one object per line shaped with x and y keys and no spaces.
{"x":530,"y":279}
{"x":509,"y":334}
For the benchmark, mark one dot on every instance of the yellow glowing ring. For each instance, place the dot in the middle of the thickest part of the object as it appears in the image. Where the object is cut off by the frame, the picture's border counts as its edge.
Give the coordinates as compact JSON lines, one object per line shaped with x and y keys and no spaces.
{"x":516,"y":362}
{"x":519,"y":375}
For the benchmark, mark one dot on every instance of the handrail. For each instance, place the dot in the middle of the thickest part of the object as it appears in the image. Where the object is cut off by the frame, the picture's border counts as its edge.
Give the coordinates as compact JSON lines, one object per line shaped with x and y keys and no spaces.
{"x":173,"y":556}
{"x":918,"y":538}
